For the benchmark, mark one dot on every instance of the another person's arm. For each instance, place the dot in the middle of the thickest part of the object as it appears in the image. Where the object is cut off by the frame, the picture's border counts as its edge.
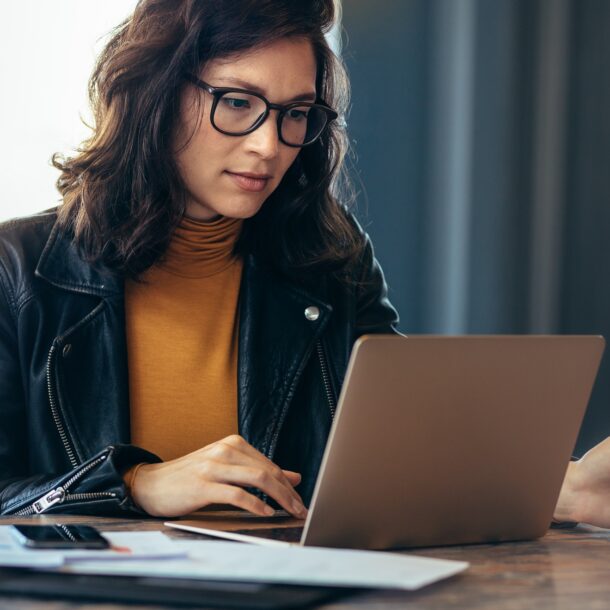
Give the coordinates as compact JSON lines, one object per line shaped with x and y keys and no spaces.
{"x":585,"y":493}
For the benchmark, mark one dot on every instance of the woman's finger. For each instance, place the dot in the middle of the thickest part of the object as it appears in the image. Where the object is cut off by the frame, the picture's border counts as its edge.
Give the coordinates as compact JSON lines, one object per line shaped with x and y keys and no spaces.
{"x":293,"y":477}
{"x":238,"y":452}
{"x":240,"y":444}
{"x":254,"y":476}
{"x":218,"y":493}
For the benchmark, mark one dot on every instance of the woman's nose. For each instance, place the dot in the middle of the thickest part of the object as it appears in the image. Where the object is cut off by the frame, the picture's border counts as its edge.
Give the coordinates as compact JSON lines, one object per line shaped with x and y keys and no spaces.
{"x":265,"y":139}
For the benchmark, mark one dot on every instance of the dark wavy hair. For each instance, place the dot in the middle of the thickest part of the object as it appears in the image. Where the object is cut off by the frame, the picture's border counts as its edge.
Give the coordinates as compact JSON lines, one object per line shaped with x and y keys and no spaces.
{"x":122,"y":192}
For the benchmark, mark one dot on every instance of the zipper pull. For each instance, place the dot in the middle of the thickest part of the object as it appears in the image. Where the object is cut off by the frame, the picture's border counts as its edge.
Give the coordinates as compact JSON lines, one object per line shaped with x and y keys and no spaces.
{"x":55,"y":496}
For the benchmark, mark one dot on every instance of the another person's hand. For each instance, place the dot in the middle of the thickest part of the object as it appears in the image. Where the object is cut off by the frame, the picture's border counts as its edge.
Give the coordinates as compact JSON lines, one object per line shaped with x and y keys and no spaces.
{"x":215,"y":474}
{"x":585,"y":493}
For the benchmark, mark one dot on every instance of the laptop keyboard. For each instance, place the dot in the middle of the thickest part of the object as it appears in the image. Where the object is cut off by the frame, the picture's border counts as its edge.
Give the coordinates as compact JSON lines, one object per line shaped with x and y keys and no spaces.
{"x":286,"y":534}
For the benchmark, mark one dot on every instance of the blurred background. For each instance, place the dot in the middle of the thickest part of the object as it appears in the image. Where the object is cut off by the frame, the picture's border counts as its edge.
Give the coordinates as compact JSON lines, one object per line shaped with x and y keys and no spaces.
{"x":481,"y":133}
{"x":481,"y":152}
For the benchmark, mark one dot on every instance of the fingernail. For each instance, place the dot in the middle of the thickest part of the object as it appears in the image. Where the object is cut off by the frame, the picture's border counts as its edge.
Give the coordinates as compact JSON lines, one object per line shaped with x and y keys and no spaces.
{"x":298,"y":508}
{"x":269,"y":511}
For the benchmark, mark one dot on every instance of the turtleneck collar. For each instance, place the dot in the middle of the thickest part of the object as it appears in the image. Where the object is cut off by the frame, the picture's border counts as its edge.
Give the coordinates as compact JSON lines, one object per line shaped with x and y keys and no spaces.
{"x":202,"y":248}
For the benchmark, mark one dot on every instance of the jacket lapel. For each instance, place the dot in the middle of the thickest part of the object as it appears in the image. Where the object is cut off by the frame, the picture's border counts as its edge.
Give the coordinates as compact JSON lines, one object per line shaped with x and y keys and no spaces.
{"x":87,"y":365}
{"x":276,"y":339}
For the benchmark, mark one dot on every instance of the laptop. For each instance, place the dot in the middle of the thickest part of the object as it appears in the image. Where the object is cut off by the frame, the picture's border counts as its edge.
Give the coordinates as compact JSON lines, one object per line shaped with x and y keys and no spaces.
{"x":445,"y":440}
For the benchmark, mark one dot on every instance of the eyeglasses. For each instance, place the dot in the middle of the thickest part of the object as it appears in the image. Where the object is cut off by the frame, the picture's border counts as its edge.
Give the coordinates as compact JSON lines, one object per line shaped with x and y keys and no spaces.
{"x":237,"y":112}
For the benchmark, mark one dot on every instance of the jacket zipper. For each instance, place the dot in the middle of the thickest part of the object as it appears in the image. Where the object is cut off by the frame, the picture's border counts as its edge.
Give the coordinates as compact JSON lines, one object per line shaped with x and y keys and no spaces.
{"x":54,"y":401}
{"x":55,"y":411}
{"x":326,"y":378}
{"x":327,"y":389}
{"x":61,"y":494}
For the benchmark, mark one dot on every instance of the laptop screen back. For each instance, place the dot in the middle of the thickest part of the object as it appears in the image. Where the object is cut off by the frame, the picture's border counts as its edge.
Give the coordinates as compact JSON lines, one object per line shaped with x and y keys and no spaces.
{"x":449,"y":440}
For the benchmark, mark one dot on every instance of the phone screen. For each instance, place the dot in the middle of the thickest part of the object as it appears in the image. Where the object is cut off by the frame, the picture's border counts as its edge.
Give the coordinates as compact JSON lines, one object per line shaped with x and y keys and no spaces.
{"x":59,"y":536}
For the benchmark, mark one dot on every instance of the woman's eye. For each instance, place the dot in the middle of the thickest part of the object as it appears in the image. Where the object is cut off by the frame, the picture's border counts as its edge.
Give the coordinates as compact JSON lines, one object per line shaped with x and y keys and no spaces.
{"x":236,"y":103}
{"x":296,"y":114}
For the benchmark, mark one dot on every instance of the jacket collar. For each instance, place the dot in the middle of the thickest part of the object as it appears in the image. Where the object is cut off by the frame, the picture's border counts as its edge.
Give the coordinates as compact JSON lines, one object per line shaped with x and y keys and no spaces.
{"x":61,"y":264}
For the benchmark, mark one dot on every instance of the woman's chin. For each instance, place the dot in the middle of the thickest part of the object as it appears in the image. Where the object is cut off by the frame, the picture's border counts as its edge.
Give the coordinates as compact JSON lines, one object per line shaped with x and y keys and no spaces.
{"x":237,"y":209}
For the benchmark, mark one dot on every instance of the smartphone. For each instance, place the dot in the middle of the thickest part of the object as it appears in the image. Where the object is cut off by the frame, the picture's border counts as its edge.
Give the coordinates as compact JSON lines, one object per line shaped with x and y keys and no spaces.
{"x":59,"y":536}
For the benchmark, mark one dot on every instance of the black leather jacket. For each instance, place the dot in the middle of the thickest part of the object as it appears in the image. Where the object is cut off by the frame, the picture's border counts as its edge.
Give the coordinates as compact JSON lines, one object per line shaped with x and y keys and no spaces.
{"x":64,"y":404}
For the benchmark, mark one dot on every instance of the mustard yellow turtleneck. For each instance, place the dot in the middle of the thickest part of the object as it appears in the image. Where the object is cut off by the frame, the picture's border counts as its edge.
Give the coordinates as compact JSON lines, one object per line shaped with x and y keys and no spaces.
{"x":182,"y":330}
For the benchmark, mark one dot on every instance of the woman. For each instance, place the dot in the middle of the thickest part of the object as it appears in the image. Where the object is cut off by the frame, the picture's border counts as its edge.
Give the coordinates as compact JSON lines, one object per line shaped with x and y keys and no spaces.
{"x":585,"y":493}
{"x":175,"y":334}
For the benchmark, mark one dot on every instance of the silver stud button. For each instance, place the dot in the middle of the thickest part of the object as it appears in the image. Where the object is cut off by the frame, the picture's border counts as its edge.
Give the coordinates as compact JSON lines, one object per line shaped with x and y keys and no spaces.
{"x":312,"y":313}
{"x":67,"y":349}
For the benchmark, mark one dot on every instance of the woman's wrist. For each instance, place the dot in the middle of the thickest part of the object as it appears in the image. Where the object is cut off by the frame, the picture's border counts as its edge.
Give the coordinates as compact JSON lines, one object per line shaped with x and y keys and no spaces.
{"x":567,"y":505}
{"x":129,"y":478}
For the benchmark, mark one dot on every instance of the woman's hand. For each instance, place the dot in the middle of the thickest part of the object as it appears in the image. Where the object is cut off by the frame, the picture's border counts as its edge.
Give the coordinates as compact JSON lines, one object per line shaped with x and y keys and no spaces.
{"x":215,"y":474}
{"x":585,"y":493}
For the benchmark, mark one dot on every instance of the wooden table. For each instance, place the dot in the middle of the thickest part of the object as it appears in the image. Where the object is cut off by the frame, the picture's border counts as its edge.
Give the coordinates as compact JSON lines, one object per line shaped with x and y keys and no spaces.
{"x":567,"y":569}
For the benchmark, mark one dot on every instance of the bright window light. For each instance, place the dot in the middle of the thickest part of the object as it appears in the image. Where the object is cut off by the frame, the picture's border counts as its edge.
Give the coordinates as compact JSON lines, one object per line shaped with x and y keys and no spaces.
{"x":47,"y":52}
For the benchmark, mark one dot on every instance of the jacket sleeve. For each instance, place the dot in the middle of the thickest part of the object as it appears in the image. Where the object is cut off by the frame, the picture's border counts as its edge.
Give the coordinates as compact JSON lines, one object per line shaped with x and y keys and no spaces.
{"x":94,"y":487}
{"x":374,"y":312}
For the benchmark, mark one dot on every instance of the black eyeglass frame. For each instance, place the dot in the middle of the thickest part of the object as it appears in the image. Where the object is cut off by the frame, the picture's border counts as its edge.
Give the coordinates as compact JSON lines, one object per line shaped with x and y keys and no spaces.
{"x":218,"y":92}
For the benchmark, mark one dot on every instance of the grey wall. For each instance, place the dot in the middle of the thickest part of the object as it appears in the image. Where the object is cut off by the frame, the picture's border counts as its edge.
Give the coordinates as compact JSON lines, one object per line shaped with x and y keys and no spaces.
{"x":585,"y":295}
{"x":482,"y":135}
{"x":385,"y":50}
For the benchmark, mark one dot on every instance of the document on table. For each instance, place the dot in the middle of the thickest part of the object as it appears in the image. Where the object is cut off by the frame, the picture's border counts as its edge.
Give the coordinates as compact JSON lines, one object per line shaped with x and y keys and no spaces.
{"x":233,"y":561}
{"x":124,"y":545}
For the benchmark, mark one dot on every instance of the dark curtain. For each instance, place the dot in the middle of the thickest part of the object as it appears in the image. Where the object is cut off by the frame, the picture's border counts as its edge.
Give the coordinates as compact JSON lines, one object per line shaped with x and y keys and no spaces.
{"x":481,"y":133}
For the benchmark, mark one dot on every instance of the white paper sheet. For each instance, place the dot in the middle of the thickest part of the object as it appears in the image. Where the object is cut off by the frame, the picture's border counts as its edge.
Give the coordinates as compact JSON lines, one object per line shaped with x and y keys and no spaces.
{"x":10,"y":559}
{"x":296,"y":565}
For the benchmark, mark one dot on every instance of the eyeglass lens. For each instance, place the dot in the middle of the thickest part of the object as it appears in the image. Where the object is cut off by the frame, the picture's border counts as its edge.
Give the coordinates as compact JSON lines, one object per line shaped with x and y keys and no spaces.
{"x":237,"y":112}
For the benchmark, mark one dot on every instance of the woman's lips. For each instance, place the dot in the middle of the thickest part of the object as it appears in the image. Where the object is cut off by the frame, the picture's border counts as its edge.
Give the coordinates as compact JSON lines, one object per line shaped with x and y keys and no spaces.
{"x":249,"y":182}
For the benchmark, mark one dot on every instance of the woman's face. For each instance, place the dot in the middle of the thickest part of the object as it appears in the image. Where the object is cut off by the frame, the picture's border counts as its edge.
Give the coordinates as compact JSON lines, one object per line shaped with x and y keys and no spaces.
{"x":233,"y":175}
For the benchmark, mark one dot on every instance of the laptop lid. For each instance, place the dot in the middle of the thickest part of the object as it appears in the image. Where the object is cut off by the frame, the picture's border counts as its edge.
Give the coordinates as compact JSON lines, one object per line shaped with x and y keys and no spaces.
{"x":451,"y":440}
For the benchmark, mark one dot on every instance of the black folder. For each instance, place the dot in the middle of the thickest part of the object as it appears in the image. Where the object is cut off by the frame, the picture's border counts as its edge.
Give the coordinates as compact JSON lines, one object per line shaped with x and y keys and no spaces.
{"x":175,"y":592}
